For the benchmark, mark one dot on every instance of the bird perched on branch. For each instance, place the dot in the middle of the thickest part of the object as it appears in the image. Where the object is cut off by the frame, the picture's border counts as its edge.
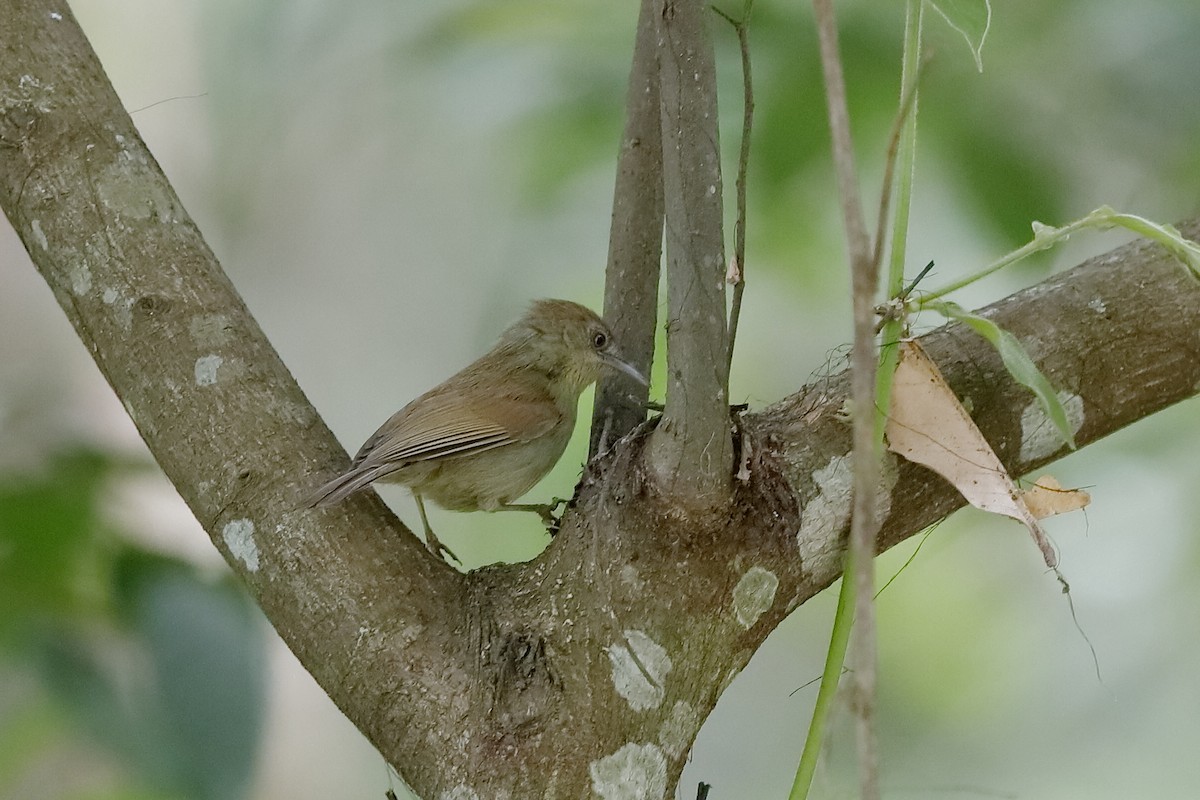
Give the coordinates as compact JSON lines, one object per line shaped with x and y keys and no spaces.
{"x":486,"y":435}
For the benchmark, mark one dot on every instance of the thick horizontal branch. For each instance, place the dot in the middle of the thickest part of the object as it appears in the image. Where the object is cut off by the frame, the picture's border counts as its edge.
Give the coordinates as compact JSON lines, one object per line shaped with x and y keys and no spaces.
{"x":1116,"y":335}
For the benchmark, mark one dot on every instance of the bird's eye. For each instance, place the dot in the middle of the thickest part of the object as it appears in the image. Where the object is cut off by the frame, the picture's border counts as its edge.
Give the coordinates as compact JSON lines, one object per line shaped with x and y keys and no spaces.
{"x":599,"y":339}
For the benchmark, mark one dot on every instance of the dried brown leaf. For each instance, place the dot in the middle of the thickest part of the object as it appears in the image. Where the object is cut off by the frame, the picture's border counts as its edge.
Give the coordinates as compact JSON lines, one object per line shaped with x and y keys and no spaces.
{"x":1046,"y":497}
{"x":929,"y":426}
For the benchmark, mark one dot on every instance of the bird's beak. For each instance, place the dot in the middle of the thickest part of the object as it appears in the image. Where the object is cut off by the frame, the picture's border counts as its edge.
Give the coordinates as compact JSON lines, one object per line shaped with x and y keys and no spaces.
{"x":621,"y":365}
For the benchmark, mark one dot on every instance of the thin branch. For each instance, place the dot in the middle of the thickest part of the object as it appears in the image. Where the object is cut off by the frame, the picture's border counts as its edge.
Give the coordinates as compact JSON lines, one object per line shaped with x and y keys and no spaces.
{"x":858,"y":241}
{"x":864,"y":526}
{"x":902,"y":155}
{"x":737,"y":272}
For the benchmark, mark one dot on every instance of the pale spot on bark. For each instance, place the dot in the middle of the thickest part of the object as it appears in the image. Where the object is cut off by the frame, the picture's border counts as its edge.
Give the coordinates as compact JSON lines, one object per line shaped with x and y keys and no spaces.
{"x":460,"y":792}
{"x":121,"y":306}
{"x":1039,"y":437}
{"x":753,"y":595}
{"x":639,"y":669}
{"x":206,"y":369}
{"x":364,"y":632}
{"x":132,"y":189}
{"x":81,"y":279}
{"x":826,"y":514}
{"x":635,"y":772}
{"x":239,"y":538}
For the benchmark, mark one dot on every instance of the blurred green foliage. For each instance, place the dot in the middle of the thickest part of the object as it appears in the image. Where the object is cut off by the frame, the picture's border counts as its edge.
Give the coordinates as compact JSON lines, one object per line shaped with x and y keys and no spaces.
{"x":53,"y":564}
{"x":133,"y":651}
{"x":573,"y":123}
{"x":1015,"y":143}
{"x":1011,"y":150}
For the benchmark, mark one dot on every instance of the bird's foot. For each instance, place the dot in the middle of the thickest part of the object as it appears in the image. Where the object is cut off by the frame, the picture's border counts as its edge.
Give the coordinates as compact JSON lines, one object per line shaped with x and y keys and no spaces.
{"x":440,"y":550}
{"x":543,"y":510}
{"x":546,"y":512}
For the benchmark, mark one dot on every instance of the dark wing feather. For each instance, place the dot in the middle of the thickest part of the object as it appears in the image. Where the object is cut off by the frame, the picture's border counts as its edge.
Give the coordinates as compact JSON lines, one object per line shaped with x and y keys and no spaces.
{"x":430,"y":429}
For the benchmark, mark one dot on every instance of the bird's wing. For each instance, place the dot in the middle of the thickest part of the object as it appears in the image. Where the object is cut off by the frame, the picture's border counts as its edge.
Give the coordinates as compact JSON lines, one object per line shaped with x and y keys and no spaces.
{"x":428,"y":431}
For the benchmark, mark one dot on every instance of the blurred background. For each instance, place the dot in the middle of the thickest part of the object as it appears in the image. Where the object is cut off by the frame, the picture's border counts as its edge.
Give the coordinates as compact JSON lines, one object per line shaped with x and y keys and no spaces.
{"x":388,"y":184}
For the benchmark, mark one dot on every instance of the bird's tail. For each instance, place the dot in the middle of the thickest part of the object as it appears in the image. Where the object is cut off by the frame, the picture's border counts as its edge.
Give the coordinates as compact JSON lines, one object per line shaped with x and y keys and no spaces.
{"x":341,"y":487}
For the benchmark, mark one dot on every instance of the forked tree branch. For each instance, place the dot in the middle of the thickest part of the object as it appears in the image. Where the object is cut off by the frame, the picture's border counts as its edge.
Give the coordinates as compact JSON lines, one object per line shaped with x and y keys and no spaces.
{"x":590,"y":669}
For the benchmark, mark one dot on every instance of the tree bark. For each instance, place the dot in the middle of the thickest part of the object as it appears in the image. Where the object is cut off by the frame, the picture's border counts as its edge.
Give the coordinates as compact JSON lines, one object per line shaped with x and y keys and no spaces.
{"x":690,"y":452}
{"x":635,"y":243}
{"x":589,"y":670}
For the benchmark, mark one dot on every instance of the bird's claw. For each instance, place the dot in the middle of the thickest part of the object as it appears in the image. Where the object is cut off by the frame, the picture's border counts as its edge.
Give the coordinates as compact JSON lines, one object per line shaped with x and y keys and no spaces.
{"x":553,"y":523}
{"x":440,"y":550}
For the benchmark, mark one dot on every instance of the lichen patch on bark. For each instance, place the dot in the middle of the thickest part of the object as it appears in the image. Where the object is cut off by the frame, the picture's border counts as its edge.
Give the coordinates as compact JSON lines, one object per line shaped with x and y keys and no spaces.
{"x":753,"y":595}
{"x":639,"y":670}
{"x":239,"y":538}
{"x":634,"y":772}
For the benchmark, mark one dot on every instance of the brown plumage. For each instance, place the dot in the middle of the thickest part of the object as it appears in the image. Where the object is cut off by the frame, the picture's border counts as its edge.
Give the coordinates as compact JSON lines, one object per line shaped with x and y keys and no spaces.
{"x":486,"y":435}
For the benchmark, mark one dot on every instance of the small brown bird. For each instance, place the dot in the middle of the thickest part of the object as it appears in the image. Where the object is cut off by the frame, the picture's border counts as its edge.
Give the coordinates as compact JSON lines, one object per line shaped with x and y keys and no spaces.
{"x":490,"y":432}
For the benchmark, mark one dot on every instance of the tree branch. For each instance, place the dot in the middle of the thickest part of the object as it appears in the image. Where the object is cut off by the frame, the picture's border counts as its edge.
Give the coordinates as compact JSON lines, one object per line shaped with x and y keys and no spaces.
{"x":1117,"y":333}
{"x":691,"y":451}
{"x":737,"y":275}
{"x":216,"y":406}
{"x":590,"y":669}
{"x":635,"y":243}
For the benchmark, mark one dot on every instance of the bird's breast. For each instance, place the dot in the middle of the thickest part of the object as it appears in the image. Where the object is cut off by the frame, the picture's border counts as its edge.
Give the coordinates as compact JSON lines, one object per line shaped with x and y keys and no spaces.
{"x":486,"y":480}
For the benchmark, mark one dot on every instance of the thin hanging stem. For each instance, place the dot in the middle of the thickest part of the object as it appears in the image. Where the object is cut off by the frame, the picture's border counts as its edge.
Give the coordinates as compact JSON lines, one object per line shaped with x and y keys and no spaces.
{"x":737,"y":271}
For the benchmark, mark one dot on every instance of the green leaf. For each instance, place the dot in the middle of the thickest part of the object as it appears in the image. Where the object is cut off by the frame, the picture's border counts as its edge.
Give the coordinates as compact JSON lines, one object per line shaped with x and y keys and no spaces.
{"x":54,"y":559}
{"x":971,"y":18}
{"x":1018,"y":363}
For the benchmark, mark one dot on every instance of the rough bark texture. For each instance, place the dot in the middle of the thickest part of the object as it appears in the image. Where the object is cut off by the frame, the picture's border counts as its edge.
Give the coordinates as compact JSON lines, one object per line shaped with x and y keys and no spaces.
{"x":588,"y":671}
{"x":635,"y":242}
{"x":690,"y":452}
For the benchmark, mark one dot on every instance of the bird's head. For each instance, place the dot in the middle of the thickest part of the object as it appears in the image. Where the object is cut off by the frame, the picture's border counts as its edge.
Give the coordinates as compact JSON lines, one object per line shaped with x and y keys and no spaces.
{"x":569,"y":342}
